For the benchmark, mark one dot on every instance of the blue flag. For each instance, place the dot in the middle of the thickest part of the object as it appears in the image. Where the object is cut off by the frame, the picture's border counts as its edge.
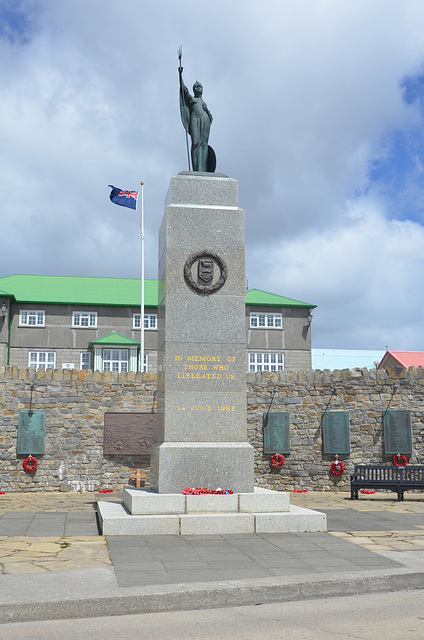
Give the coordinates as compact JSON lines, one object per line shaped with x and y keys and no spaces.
{"x":124,"y":198}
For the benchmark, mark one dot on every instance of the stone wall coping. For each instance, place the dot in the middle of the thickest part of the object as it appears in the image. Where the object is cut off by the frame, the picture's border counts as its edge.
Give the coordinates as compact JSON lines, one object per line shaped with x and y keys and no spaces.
{"x":260,"y":377}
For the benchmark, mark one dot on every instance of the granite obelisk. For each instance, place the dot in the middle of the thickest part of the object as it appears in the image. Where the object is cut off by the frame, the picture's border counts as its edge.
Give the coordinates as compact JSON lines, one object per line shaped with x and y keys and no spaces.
{"x":202,"y":430}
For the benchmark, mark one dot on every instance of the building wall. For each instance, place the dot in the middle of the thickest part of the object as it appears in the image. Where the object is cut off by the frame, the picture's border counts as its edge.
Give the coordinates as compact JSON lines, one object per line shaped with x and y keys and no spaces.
{"x":68,"y":342}
{"x":4,"y":332}
{"x":293,"y":339}
{"x":75,"y":403}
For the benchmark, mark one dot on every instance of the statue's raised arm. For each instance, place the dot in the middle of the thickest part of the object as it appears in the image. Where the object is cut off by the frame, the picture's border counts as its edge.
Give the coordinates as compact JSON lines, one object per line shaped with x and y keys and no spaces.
{"x":196,"y":119}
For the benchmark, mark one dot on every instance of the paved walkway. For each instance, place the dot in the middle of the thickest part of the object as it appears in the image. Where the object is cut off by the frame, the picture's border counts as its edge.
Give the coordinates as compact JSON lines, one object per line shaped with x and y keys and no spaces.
{"x":374,"y":543}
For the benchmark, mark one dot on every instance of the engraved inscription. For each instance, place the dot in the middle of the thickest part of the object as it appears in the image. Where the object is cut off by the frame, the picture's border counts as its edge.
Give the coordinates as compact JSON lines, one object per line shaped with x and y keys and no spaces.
{"x":336,"y":432}
{"x":205,"y":367}
{"x":207,"y":407}
{"x":31,"y":432}
{"x":276,"y":425}
{"x":129,"y":433}
{"x":397,"y":431}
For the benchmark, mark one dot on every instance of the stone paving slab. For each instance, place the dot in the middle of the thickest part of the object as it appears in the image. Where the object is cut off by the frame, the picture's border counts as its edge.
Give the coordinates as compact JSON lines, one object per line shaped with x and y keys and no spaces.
{"x":22,"y":554}
{"x":22,"y":523}
{"x":176,"y":559}
{"x":343,"y":519}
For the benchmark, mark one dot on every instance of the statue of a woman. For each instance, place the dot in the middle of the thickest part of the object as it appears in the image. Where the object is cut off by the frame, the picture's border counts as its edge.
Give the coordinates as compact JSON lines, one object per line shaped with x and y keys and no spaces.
{"x":197,"y":120}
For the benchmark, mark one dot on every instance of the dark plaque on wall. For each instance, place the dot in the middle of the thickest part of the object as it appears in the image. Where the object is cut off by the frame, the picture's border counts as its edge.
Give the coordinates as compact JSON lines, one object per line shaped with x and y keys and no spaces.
{"x":276,"y":432}
{"x":31,"y":432}
{"x":336,"y":432}
{"x":132,"y":434}
{"x":397,"y":431}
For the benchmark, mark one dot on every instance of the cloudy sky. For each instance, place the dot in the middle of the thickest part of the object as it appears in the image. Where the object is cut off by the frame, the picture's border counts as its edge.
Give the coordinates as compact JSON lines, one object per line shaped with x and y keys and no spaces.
{"x":318,"y":112}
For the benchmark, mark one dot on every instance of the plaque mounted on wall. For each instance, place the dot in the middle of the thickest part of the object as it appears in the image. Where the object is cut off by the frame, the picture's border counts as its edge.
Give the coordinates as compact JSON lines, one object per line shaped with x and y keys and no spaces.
{"x":336,"y":432}
{"x":276,"y":426}
{"x":31,"y":432}
{"x":397,"y":431}
{"x":132,"y":434}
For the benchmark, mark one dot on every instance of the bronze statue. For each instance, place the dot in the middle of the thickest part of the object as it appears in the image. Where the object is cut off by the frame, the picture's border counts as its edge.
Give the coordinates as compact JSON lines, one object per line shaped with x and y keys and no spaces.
{"x":196,"y":119}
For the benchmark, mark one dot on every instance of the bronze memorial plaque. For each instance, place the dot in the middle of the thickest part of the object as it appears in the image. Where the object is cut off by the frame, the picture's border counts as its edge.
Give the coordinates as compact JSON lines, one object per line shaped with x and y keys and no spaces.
{"x":336,"y":432}
{"x":129,"y":433}
{"x":397,"y":431}
{"x":31,"y":432}
{"x":276,"y":432}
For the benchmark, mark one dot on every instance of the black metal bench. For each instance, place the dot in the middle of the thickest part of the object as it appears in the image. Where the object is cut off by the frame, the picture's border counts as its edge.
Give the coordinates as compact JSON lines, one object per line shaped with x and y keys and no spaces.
{"x":398,"y":479}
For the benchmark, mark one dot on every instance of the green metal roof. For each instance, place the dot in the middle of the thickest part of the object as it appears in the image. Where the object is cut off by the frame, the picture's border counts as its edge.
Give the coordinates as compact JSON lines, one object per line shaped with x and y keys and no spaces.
{"x":81,"y":290}
{"x":118,"y":292}
{"x":115,"y":338}
{"x":263,"y":298}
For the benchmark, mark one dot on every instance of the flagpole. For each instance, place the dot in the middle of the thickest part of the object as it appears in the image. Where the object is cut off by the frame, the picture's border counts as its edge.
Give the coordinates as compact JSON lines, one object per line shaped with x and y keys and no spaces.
{"x":142,"y":282}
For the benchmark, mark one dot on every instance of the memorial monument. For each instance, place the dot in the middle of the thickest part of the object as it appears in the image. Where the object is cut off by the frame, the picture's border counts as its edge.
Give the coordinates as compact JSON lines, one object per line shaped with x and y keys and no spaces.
{"x":201,"y":439}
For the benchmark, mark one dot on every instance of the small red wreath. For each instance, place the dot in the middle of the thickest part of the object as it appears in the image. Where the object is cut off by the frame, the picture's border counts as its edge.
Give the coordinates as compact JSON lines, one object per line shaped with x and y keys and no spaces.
{"x":30,"y":463}
{"x":399,"y":460}
{"x":277,"y":460}
{"x":337,"y":467}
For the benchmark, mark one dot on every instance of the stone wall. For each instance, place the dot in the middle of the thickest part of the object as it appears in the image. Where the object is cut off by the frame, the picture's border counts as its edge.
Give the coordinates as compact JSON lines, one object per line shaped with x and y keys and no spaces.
{"x":75,"y":403}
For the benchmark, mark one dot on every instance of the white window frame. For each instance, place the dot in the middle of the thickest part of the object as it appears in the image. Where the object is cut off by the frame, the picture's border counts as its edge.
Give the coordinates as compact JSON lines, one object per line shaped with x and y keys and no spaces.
{"x":266,"y":361}
{"x":85,"y":355}
{"x":260,"y":320}
{"x":32,"y":318}
{"x":41,"y":359}
{"x":89,"y":316}
{"x":145,"y":368}
{"x":150,"y":321}
{"x":115,"y":359}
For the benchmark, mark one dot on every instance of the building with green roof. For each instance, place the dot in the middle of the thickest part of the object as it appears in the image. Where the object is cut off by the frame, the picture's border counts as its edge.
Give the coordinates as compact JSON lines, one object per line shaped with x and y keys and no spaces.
{"x":94,"y":323}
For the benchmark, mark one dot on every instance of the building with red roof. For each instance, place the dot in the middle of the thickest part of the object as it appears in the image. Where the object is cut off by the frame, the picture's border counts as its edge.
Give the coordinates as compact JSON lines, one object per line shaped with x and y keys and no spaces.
{"x":404,"y":359}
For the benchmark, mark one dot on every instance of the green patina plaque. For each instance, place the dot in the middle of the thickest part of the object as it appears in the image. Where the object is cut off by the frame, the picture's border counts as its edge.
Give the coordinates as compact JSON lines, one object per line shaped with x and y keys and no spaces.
{"x":336,"y":432}
{"x":31,"y":432}
{"x":397,"y":431}
{"x":276,"y":432}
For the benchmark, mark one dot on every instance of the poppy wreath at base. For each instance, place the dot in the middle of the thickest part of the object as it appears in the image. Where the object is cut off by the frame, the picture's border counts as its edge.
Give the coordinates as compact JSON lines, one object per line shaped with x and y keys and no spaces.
{"x":277,"y":460}
{"x":200,"y":492}
{"x":399,"y":460}
{"x":30,"y":463}
{"x":337,"y":467}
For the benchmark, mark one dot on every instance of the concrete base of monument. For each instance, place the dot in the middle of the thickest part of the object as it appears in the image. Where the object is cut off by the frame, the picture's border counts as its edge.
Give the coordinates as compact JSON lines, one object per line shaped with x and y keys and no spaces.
{"x":144,"y":512}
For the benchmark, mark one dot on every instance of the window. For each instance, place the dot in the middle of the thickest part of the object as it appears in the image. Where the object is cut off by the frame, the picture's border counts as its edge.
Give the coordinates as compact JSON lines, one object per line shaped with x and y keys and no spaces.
{"x":85,"y":360}
{"x":115,"y":360}
{"x":266,"y":362}
{"x":150,"y":320}
{"x":266,"y":320}
{"x":145,"y":366}
{"x":84,"y":319}
{"x":31,"y":318}
{"x":42,"y":360}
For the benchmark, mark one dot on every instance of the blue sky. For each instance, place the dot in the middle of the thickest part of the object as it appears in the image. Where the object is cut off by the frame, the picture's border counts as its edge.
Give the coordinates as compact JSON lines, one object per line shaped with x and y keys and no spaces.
{"x":318,"y":114}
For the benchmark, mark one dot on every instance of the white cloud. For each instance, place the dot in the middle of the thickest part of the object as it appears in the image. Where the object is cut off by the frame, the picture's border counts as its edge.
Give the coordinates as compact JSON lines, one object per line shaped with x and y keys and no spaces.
{"x":303,"y":94}
{"x":365,"y":278}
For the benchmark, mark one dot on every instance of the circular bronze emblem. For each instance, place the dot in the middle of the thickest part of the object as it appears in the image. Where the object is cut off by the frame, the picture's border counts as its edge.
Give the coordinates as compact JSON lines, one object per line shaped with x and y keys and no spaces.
{"x":205,"y":281}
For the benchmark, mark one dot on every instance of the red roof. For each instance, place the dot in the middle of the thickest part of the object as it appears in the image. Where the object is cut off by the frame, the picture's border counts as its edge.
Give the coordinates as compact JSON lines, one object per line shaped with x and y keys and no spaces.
{"x":405,"y":358}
